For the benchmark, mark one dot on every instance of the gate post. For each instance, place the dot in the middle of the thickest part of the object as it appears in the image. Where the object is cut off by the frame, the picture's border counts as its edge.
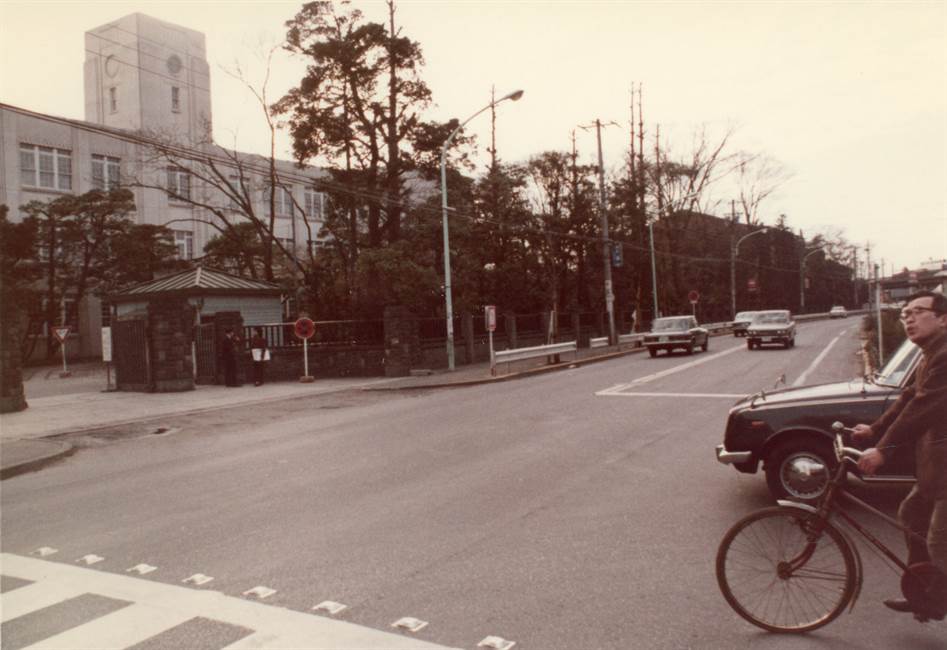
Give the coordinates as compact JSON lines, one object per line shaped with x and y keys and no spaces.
{"x":171,"y":325}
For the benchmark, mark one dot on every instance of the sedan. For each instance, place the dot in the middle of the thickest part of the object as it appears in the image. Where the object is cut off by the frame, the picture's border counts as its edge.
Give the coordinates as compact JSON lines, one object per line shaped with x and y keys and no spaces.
{"x":838,"y":312}
{"x":740,"y":322}
{"x":676,"y":332}
{"x":773,"y":326}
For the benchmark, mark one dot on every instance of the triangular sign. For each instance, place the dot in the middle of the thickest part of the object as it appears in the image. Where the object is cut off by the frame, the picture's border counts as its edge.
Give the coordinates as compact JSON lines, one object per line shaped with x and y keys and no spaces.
{"x":61,"y":333}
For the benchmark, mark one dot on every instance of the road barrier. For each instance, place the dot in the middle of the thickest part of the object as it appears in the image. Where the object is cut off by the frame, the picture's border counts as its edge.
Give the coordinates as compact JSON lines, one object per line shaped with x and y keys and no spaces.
{"x":518,"y":354}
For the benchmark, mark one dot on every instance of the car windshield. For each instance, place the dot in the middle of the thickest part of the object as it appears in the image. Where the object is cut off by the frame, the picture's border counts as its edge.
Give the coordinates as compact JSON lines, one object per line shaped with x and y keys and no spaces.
{"x":671,"y":325}
{"x":771,"y":317}
{"x":898,"y":365}
{"x":744,"y":315}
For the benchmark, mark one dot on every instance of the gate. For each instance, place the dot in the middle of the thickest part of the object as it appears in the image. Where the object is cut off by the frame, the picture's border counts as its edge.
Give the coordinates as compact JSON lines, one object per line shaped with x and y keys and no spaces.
{"x":205,"y":354}
{"x":130,"y":355}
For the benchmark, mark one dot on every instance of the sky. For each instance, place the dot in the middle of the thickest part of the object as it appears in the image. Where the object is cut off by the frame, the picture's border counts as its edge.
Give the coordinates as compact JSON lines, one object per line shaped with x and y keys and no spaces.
{"x":849,"y":97}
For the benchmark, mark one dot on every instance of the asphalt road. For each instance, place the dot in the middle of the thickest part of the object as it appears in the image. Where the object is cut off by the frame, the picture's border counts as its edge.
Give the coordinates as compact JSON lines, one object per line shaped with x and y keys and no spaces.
{"x":576,"y":509}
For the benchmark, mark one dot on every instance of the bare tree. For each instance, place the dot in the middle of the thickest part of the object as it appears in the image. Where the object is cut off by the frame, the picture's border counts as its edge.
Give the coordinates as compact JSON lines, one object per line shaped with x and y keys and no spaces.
{"x":758,"y":176}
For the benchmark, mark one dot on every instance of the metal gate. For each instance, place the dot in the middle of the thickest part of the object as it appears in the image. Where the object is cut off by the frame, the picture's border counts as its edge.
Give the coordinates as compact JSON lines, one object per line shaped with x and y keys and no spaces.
{"x":130,"y":355}
{"x":205,"y":354}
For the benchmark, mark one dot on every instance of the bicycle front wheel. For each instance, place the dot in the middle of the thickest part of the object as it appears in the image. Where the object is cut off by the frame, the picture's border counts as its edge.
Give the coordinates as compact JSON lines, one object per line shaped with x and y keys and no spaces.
{"x":780,"y":575}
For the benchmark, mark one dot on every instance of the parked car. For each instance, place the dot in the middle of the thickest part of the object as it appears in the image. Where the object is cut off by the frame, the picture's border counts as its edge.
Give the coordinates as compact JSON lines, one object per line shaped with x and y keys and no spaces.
{"x":789,"y":431}
{"x":772,"y":326}
{"x":838,"y":312}
{"x":675,"y":332}
{"x":740,"y":322}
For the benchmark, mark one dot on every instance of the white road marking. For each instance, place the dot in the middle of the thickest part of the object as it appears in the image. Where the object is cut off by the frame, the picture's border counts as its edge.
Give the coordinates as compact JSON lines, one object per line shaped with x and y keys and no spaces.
{"x":330,"y":606}
{"x":197,"y":579}
{"x":141,"y":569}
{"x":410,"y":624}
{"x":43,"y":551}
{"x":497,"y":643}
{"x":260,"y":592}
{"x":669,"y":371}
{"x":636,"y":394}
{"x":91,"y":558}
{"x":274,"y":627}
{"x":801,"y":379}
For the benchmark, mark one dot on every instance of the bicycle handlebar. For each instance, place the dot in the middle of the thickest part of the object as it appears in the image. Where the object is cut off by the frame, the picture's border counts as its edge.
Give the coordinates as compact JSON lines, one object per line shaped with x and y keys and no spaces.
{"x":841,"y":451}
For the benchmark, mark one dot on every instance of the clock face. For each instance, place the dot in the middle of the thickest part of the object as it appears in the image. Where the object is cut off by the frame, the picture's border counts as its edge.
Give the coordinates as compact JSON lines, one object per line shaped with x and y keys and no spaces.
{"x":174,"y":64}
{"x":111,"y":65}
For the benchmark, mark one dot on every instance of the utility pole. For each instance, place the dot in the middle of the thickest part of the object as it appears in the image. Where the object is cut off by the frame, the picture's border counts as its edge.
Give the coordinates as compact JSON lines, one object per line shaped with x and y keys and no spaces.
{"x":881,"y":350}
{"x":606,"y":247}
{"x":854,"y":277}
{"x":868,"y":267}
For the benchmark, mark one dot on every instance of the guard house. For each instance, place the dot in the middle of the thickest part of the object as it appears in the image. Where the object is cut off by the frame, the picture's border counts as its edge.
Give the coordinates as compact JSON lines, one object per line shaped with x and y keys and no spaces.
{"x":209,"y":291}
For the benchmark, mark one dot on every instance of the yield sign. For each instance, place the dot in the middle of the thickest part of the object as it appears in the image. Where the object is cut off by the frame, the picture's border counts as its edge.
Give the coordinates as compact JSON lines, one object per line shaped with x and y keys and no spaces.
{"x":61,"y":333}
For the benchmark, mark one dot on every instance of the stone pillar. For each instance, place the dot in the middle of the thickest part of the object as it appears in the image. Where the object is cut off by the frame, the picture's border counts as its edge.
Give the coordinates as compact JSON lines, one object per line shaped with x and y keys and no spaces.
{"x":402,"y":341}
{"x":12,"y":397}
{"x":466,"y":325}
{"x":509,"y":326}
{"x":171,"y":327}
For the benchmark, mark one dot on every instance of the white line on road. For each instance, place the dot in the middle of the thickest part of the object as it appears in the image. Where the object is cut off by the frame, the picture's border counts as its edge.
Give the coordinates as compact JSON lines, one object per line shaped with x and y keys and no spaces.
{"x":801,"y":379}
{"x":721,"y":395}
{"x":669,"y":371}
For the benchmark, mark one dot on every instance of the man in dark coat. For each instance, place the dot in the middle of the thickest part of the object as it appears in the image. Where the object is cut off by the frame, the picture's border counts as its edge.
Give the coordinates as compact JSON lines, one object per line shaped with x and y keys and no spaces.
{"x":917,"y":422}
{"x":228,"y":357}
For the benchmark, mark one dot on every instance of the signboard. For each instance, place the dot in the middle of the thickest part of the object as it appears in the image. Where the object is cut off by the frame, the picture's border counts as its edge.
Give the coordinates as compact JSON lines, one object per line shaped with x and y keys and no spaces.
{"x":304,"y":328}
{"x":490,"y":316}
{"x":106,"y":344}
{"x":61,"y":333}
{"x":751,"y":284}
{"x":617,"y":258}
{"x":693,"y":296}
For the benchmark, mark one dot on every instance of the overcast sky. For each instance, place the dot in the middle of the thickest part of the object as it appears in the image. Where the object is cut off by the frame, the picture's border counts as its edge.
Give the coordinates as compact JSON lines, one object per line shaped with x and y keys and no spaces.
{"x":851,"y":97}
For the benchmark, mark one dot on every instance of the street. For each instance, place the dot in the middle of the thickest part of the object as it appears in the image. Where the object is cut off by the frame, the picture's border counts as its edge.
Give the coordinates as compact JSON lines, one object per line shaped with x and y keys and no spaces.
{"x":575,"y":509}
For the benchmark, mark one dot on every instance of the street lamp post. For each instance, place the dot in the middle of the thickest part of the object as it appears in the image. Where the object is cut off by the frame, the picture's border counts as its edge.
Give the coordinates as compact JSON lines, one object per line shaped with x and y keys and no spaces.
{"x":654,"y":272}
{"x":802,"y":279}
{"x":515,"y":95}
{"x":733,"y":271}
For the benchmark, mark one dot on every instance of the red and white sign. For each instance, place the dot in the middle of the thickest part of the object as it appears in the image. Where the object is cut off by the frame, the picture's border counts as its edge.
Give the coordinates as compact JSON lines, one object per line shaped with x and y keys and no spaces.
{"x":490,"y":316}
{"x":61,"y":333}
{"x":304,"y":328}
{"x":693,"y":296}
{"x":751,"y":284}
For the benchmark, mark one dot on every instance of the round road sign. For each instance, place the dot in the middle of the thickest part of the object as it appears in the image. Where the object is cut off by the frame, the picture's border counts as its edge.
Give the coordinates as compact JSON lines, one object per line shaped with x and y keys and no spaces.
{"x":304,"y":328}
{"x":693,"y":296}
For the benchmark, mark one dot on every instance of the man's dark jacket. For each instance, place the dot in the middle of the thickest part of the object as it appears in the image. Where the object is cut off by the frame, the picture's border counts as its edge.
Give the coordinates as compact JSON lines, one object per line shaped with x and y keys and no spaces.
{"x":919,"y":418}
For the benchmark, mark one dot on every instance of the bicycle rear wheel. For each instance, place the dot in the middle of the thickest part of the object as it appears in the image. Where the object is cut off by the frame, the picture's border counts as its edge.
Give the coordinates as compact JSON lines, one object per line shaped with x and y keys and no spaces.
{"x":755,"y":574}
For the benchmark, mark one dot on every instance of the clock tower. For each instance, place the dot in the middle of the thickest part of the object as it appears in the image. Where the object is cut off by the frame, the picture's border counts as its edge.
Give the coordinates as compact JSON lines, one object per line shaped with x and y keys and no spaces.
{"x":144,"y":74}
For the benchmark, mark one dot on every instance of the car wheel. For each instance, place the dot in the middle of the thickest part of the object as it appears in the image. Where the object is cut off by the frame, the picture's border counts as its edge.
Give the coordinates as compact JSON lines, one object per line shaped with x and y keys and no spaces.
{"x":653,"y":352}
{"x":799,"y":469}
{"x":749,"y":345}
{"x":690,"y":348}
{"x":706,"y":344}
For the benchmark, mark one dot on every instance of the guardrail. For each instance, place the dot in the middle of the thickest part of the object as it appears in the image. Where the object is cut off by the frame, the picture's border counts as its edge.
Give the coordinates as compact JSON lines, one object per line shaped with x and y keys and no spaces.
{"x":518,"y":354}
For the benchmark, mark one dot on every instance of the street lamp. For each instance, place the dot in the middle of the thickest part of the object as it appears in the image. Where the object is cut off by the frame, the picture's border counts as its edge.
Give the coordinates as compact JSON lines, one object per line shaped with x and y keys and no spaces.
{"x":802,"y":279}
{"x":515,"y":95}
{"x":733,"y":271}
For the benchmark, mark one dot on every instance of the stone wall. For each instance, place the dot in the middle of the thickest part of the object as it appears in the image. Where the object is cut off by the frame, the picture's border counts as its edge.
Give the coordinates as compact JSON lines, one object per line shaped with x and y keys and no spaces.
{"x":402,"y":342}
{"x":171,"y":325}
{"x":286,"y":364}
{"x":12,"y":397}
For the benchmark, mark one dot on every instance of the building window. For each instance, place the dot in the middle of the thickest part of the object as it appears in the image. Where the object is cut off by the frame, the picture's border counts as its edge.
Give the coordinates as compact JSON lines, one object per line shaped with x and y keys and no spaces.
{"x":106,"y":173}
{"x":45,"y":167}
{"x":175,"y":99}
{"x":184,"y":240}
{"x":179,"y":184}
{"x":284,"y":201}
{"x":313,"y":202}
{"x":237,"y":187}
{"x":113,"y":99}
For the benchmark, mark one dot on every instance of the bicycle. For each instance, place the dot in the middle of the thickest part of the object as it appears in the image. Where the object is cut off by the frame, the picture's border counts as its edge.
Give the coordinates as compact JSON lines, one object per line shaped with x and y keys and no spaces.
{"x":790,"y":568}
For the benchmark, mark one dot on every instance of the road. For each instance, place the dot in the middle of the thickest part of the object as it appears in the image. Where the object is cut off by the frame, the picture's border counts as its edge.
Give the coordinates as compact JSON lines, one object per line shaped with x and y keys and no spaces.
{"x":576,"y":509}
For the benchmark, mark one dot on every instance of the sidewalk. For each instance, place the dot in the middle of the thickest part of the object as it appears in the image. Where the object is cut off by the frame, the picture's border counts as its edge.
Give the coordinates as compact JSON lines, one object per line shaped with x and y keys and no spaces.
{"x":79,"y":404}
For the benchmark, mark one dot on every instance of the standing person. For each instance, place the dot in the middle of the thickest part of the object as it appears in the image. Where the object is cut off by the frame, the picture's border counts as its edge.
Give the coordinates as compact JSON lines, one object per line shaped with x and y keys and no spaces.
{"x":228,"y":356}
{"x":261,"y":354}
{"x":918,"y":419}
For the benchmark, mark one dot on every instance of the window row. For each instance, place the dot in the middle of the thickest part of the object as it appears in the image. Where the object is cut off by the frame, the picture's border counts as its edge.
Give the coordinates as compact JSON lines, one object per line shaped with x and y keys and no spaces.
{"x":51,"y":168}
{"x":175,"y":99}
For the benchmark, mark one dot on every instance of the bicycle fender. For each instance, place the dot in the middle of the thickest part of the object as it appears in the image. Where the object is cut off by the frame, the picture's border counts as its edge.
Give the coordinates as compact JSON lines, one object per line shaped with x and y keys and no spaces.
{"x":785,"y":503}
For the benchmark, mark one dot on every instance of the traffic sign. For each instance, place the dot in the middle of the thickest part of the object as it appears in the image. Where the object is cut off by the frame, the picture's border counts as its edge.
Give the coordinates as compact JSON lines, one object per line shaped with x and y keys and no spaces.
{"x":751,"y":284}
{"x":490,"y":316}
{"x":693,"y":296}
{"x":61,"y":333}
{"x":304,"y":328}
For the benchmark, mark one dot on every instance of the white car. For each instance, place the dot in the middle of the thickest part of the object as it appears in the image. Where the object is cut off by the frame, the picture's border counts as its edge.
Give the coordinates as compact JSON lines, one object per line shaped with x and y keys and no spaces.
{"x":771,"y":326}
{"x":838,"y":312}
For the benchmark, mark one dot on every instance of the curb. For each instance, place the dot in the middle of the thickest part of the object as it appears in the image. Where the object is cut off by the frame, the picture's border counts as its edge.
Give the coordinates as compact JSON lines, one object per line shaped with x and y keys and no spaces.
{"x":66,"y":449}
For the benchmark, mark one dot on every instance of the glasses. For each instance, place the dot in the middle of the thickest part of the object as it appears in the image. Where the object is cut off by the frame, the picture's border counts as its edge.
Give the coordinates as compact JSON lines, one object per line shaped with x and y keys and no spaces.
{"x":915,"y":312}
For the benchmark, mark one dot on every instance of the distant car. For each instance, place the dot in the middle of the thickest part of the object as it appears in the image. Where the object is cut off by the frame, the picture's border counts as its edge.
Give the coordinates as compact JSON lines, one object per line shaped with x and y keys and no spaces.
{"x":838,"y":312}
{"x":772,"y":326}
{"x":789,"y":431}
{"x":676,"y":332}
{"x":740,"y":322}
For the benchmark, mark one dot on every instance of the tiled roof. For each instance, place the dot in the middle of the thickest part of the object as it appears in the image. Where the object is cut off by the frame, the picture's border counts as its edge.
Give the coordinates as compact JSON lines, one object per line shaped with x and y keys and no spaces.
{"x":199,"y":280}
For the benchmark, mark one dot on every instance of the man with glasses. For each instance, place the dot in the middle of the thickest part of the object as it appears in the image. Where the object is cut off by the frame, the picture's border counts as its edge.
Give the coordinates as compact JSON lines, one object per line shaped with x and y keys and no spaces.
{"x":918,"y":419}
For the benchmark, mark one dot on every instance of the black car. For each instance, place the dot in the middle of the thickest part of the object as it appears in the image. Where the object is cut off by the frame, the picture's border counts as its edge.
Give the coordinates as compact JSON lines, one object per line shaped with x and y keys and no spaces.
{"x":676,"y":332}
{"x":789,"y":431}
{"x":740,"y":322}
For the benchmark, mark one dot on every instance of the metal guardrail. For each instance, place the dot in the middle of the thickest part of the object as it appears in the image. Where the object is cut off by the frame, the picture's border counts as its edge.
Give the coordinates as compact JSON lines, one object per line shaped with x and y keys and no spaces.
{"x":518,"y":354}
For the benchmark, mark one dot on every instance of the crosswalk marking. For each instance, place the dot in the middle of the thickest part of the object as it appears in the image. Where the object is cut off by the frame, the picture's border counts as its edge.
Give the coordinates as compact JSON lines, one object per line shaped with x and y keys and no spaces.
{"x":274,"y":627}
